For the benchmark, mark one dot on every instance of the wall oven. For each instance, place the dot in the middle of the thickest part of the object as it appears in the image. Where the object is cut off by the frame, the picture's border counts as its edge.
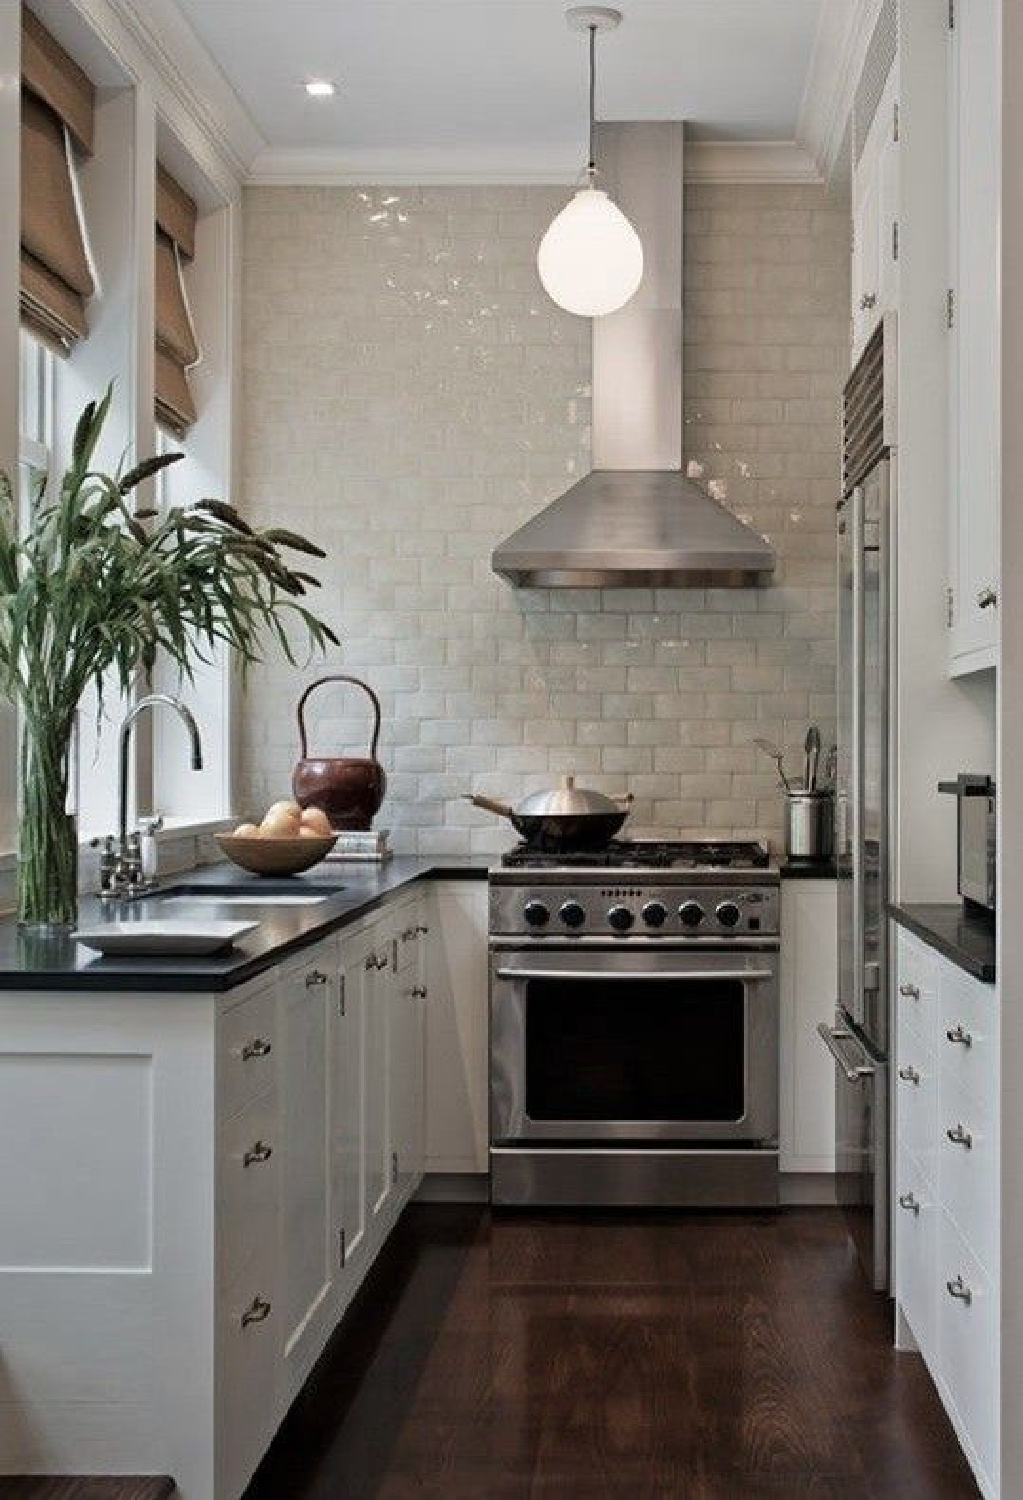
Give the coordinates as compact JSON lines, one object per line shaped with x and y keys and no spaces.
{"x":641,"y":1070}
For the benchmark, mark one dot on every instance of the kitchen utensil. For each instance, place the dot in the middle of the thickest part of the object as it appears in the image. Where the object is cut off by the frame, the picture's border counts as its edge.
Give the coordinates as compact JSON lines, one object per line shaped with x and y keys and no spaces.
{"x":164,"y":938}
{"x":810,"y":824}
{"x":275,"y":856}
{"x":813,"y":752}
{"x":778,"y":756}
{"x":348,"y":788}
{"x":566,"y":819}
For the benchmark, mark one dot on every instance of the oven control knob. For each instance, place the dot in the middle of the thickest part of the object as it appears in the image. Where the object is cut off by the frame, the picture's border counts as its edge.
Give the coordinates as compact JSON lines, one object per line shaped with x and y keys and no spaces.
{"x":536,"y":914}
{"x":728,"y":914}
{"x":619,"y":918}
{"x":572,"y":914}
{"x":655,"y":914}
{"x":690,"y":913}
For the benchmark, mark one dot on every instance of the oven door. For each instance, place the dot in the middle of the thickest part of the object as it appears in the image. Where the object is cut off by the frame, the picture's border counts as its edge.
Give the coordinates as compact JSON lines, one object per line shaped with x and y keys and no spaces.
{"x":629,"y":1046}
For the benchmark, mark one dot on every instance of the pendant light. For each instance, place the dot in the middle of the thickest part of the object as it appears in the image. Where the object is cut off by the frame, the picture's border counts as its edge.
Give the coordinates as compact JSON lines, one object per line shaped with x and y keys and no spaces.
{"x":590,"y":259}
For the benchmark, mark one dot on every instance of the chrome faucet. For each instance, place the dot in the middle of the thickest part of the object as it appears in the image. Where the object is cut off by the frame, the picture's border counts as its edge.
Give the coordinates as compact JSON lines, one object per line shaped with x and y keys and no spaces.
{"x":121,"y":865}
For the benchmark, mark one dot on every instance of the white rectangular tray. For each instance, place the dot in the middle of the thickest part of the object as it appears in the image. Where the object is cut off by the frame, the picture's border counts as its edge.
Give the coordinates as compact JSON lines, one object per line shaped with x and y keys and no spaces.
{"x":162,"y":938}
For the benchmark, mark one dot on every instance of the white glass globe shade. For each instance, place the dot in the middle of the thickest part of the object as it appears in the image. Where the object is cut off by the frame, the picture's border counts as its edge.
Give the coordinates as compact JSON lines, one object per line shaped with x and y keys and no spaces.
{"x":590,"y":260}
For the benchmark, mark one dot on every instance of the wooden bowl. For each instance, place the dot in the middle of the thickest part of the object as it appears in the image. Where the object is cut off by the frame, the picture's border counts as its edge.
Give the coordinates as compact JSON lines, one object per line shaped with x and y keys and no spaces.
{"x":275,"y":856}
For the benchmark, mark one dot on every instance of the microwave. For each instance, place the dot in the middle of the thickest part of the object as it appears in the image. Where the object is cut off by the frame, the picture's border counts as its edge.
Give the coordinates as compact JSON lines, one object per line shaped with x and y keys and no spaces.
{"x":977,"y":861}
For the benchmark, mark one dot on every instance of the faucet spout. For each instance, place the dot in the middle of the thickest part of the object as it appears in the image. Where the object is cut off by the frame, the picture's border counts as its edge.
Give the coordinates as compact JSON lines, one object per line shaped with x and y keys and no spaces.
{"x":151,"y":701}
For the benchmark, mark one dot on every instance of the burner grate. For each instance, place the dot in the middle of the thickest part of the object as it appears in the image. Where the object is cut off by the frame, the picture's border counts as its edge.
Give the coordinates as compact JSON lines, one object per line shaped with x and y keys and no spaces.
{"x":642,"y":854}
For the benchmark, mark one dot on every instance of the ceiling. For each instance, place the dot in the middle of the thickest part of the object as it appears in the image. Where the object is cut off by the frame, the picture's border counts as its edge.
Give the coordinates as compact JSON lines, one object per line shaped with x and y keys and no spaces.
{"x":505,"y":77}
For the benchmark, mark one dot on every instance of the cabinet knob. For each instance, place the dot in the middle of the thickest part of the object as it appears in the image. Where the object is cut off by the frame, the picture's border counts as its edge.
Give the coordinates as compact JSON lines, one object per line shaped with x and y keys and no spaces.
{"x":910,"y":991}
{"x":909,"y":1074}
{"x":960,"y":1136}
{"x":910,"y":1203}
{"x":258,"y":1047}
{"x":257,"y":1311}
{"x":987,"y":597}
{"x":867,"y":301}
{"x":422,"y":930}
{"x":417,"y":992}
{"x":315,"y":977}
{"x":960,"y":1036}
{"x":257,"y":1153}
{"x":958,"y":1289}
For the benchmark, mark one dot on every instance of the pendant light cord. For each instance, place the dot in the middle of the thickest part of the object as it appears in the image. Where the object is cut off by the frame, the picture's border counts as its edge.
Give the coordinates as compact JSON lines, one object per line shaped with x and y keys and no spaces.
{"x":591,"y":167}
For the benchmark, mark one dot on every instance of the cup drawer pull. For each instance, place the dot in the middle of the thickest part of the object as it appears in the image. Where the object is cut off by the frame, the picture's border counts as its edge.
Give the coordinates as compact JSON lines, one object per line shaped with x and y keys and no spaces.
{"x":960,"y":1036}
{"x":257,"y":1311}
{"x":257,"y":1153}
{"x":909,"y":1203}
{"x":960,"y":1136}
{"x":909,"y":1074}
{"x":910,"y":991}
{"x":958,"y":1289}
{"x":258,"y":1047}
{"x":315,"y":977}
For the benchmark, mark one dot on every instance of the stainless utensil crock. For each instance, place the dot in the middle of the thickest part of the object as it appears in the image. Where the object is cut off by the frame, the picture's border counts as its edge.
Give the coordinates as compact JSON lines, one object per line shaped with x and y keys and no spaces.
{"x":810,"y":824}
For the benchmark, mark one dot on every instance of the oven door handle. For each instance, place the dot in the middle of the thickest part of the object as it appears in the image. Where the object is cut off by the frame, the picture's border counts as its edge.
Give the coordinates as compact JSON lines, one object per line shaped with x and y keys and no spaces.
{"x":854,"y":1072}
{"x":632,"y":976}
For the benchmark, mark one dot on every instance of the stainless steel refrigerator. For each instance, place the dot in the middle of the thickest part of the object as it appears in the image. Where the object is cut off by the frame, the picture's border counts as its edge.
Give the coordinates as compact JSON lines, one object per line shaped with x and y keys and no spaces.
{"x":859,"y":1038}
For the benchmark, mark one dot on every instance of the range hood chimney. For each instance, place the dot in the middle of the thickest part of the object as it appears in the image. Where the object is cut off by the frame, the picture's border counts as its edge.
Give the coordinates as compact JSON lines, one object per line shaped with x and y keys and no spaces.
{"x":636,"y":520}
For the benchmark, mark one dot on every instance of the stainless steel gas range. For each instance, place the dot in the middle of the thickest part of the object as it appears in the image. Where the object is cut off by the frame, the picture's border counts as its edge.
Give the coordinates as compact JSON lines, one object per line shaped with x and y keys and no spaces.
{"x":634,"y":1026}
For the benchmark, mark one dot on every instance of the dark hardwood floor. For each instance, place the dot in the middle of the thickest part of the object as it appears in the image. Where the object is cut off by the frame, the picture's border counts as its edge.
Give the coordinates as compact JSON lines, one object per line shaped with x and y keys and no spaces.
{"x":710,"y":1357}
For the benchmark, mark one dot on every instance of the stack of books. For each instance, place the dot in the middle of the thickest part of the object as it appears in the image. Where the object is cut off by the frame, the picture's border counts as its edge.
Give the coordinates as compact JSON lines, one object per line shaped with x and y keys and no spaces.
{"x":367,"y":844}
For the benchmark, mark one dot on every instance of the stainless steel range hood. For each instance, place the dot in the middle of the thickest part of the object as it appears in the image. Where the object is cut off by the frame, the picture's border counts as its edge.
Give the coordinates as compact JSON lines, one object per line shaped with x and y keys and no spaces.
{"x":636,"y":520}
{"x":632,"y":528}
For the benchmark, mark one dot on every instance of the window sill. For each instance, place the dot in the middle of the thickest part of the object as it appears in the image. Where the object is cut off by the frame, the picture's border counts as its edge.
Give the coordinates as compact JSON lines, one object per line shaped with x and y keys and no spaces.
{"x":174,"y":828}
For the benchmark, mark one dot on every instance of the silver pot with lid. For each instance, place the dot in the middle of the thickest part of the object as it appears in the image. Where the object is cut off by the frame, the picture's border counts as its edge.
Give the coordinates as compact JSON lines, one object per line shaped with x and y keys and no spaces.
{"x":568,"y":818}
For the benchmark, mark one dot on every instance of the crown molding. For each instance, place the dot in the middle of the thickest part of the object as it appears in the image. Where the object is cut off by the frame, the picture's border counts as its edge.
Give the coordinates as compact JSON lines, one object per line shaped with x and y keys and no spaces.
{"x":425,"y":166}
{"x":843,"y":32}
{"x":154,"y":43}
{"x":750,"y":162}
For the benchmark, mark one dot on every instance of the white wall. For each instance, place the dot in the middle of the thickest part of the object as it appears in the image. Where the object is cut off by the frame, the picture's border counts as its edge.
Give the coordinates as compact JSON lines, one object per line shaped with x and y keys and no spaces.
{"x":411,"y":396}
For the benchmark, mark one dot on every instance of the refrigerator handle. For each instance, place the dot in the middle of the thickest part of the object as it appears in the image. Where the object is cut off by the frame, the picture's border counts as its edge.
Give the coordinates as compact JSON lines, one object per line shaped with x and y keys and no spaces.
{"x":831,"y":1036}
{"x":856,"y":775}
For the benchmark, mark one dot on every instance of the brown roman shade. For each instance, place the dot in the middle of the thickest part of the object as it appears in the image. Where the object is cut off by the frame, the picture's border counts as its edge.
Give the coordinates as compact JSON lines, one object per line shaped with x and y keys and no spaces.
{"x":175,"y":342}
{"x":57,"y":102}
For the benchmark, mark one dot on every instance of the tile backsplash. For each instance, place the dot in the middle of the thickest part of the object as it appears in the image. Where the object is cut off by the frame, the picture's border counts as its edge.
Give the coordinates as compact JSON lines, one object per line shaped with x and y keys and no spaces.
{"x":411,"y":396}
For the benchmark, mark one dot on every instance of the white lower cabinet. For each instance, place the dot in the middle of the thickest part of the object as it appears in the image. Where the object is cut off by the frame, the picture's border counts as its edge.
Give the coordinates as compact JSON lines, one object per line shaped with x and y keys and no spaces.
{"x":946,"y":1205}
{"x":809,"y":988}
{"x":457,"y":1021}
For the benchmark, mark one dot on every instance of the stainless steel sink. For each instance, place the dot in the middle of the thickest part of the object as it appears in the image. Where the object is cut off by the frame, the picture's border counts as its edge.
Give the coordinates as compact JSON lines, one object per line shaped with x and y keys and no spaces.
{"x":245,"y":893}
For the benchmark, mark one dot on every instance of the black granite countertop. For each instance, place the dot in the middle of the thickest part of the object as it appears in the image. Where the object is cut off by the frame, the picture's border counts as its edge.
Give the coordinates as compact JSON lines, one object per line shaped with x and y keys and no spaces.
{"x":28,"y":962}
{"x":966,"y":938}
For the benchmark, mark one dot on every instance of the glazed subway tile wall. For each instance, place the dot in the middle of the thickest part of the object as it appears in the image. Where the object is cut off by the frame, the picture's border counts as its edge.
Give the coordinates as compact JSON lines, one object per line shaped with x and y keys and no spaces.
{"x":411,"y":396}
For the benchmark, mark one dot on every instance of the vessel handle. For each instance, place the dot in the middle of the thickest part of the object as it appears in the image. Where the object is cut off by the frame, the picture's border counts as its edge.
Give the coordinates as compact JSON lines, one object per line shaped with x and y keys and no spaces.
{"x":339,"y":677}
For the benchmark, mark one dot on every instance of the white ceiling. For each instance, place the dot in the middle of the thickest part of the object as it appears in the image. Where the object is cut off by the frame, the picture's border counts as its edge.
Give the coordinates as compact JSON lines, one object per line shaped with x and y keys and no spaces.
{"x":504,"y":78}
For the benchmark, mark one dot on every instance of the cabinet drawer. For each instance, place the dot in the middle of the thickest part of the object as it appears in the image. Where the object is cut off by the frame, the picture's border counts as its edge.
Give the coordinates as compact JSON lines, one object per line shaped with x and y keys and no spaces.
{"x":246,"y":1063}
{"x":967,"y":1042}
{"x":968,"y":1357}
{"x":967,"y":1176}
{"x":917,"y":1216}
{"x":916,"y":1101}
{"x":247,"y":1387}
{"x":248,"y":1192}
{"x":916,"y":1001}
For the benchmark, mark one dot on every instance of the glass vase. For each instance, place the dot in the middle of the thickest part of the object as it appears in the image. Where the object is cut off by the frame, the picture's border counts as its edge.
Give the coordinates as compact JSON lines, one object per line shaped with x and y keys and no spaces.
{"x":47,"y":837}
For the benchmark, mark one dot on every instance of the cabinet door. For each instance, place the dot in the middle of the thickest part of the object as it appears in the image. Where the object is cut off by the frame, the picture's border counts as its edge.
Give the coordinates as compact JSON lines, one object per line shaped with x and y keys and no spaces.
{"x":974,"y":425}
{"x":866,"y":289}
{"x":307,"y":993}
{"x":348,"y":1107}
{"x":378,"y":978}
{"x":457,"y":1131}
{"x":809,"y":968}
{"x":408,"y":1040}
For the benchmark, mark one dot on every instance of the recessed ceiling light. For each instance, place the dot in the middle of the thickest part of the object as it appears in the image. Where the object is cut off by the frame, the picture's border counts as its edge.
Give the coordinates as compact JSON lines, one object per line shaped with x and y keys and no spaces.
{"x":320,"y":88}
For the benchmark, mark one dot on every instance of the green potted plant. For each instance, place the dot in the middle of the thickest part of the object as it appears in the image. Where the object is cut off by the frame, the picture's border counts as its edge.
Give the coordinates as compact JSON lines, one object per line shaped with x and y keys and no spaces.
{"x":93,"y":587}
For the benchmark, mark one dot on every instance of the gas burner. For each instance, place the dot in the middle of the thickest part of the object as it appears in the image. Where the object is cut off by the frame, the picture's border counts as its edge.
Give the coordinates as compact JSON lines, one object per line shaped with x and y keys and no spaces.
{"x":646,"y":854}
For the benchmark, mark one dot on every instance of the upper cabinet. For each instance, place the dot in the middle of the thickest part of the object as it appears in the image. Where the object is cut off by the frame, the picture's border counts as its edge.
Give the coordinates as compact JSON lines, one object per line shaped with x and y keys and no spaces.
{"x":973,"y":318}
{"x":875,"y":192}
